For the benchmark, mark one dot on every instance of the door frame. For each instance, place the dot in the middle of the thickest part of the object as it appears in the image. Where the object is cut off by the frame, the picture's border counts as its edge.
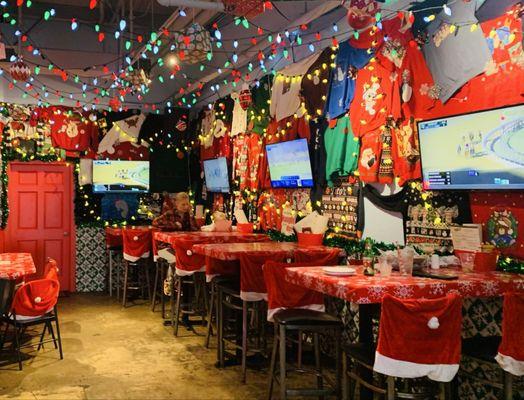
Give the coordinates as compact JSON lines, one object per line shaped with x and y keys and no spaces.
{"x":72,"y":225}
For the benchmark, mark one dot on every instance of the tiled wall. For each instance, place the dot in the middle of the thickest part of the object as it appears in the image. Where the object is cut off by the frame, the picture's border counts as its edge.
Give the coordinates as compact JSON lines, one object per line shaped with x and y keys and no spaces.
{"x":91,"y":260}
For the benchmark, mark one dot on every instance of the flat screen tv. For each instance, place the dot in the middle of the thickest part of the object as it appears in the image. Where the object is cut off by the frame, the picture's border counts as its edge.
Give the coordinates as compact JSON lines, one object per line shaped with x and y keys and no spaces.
{"x":482,"y":150}
{"x":111,"y":176}
{"x":289,"y":164}
{"x":216,"y":174}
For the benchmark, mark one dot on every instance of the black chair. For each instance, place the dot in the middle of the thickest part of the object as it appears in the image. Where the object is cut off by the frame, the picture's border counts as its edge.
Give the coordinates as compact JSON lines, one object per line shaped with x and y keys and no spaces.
{"x":29,"y":299}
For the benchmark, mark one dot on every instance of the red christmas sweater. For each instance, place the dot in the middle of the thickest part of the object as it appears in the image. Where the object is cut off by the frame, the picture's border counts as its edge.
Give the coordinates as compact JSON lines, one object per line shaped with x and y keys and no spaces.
{"x":73,"y":133}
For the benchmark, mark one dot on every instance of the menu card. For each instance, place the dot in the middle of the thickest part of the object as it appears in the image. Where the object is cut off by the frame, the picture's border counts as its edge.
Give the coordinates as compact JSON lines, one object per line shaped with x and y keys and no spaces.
{"x":467,"y":237}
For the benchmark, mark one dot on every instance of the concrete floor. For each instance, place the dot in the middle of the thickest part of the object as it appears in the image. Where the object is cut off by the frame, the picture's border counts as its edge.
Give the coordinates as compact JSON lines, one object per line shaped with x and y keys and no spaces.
{"x":115,"y":353}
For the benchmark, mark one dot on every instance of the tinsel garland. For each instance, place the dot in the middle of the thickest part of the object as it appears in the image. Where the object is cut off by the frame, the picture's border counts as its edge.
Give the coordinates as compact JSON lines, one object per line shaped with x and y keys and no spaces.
{"x":350,"y":245}
{"x":510,"y":264}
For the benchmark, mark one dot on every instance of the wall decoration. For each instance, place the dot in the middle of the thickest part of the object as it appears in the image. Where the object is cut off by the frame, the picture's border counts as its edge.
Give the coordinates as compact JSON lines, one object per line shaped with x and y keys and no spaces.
{"x":502,"y":229}
{"x":342,"y":204}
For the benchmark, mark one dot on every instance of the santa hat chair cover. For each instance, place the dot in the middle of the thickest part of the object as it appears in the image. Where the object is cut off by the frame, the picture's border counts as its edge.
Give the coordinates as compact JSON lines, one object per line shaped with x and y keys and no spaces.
{"x":282,"y":295}
{"x":511,"y":350}
{"x":252,"y":286}
{"x":420,"y":338}
{"x":35,"y":298}
{"x":137,"y":244}
{"x":320,"y":257}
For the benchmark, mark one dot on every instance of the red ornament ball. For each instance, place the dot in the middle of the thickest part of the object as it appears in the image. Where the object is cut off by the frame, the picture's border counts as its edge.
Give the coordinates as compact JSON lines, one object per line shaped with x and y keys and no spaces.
{"x":20,"y":71}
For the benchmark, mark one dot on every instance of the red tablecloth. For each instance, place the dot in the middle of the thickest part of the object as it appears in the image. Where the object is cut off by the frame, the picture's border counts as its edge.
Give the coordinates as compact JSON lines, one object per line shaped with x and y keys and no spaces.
{"x":363,"y":289}
{"x":187,"y":262}
{"x":252,"y":257}
{"x":16,"y":265}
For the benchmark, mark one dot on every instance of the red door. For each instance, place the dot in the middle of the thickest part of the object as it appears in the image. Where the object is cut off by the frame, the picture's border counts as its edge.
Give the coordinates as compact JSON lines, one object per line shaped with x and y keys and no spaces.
{"x":41,"y":216}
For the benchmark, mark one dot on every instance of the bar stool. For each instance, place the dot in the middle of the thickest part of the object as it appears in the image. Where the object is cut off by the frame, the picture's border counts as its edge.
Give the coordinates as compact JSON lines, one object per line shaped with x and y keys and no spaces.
{"x":136,"y":251}
{"x":417,"y":338}
{"x":507,"y":351}
{"x":294,"y":309}
{"x":189,"y":295}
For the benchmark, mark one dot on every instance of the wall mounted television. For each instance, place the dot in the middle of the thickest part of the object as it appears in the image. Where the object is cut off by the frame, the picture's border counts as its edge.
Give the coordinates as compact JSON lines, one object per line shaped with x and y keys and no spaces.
{"x":111,"y":176}
{"x":289,"y":164}
{"x":216,"y":174}
{"x":481,"y":150}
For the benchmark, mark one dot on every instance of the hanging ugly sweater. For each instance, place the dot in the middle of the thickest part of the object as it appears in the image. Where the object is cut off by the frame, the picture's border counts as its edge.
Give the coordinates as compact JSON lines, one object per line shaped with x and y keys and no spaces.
{"x":342,"y":83}
{"x":428,"y":216}
{"x":342,"y":149}
{"x":73,"y":131}
{"x":315,"y":84}
{"x":454,"y":52}
{"x":258,"y":111}
{"x":239,"y":122}
{"x":285,"y":94}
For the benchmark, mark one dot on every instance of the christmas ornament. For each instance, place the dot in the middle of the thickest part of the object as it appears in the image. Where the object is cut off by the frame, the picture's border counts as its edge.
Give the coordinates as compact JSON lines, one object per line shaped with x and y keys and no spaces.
{"x":181,"y":125}
{"x":115,"y":103}
{"x":502,"y":228}
{"x":245,"y":98}
{"x":20,"y":71}
{"x":193,"y":44}
{"x":244,"y":8}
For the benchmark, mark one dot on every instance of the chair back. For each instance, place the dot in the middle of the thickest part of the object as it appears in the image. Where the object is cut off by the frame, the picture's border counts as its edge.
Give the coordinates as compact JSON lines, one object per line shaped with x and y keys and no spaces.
{"x":252,"y":286}
{"x":51,"y":269}
{"x":282,"y":295}
{"x":420,"y":338}
{"x":136,"y":243}
{"x":511,"y":350}
{"x":35,"y":298}
{"x":326,"y":256}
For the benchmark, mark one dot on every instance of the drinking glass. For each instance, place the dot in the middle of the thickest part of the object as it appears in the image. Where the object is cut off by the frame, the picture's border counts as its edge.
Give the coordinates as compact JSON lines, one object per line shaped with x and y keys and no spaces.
{"x":405,"y":261}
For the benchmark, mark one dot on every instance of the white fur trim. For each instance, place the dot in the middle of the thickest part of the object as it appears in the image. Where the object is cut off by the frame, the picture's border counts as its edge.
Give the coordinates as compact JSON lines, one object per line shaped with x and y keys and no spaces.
{"x":406,"y":369}
{"x":510,"y":364}
{"x":183,"y":272}
{"x":131,"y":258}
{"x":315,"y":307}
{"x":210,"y":277}
{"x":167,"y":255}
{"x":253,"y":296}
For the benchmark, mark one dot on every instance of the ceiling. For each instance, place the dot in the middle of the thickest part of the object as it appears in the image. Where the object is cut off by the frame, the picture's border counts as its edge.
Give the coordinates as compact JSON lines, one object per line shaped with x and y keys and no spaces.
{"x":82,"y":55}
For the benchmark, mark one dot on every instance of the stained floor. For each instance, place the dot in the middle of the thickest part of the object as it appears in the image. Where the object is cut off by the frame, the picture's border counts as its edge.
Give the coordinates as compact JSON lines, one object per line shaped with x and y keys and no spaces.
{"x":115,"y":353}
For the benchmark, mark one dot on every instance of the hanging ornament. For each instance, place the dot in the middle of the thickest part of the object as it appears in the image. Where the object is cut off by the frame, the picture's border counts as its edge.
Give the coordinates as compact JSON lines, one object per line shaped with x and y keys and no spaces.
{"x":20,"y":71}
{"x":245,"y":99}
{"x":181,"y":125}
{"x":502,"y":228}
{"x":245,"y":8}
{"x":115,"y":103}
{"x":361,"y":13}
{"x":195,"y":42}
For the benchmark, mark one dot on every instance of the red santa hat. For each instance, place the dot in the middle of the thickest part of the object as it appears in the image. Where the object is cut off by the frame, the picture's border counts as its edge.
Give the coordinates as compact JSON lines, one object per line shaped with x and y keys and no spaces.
{"x":35,"y":298}
{"x":137,"y":243}
{"x":420,"y":338}
{"x":511,"y":350}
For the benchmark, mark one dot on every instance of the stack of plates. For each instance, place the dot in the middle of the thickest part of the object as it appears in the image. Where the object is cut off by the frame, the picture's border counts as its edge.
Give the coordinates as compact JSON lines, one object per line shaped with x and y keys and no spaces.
{"x":339,"y":271}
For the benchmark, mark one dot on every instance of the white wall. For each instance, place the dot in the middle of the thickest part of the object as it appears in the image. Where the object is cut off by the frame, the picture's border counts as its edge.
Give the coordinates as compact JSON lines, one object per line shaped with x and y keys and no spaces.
{"x":383,"y":226}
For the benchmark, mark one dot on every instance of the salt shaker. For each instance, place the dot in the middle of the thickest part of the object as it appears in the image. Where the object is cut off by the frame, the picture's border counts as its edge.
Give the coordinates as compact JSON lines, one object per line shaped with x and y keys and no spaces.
{"x":435,"y":261}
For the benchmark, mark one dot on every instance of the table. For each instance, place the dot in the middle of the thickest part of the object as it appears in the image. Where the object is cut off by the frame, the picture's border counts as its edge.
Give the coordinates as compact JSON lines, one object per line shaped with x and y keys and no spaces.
{"x":252,"y":257}
{"x":13,"y":266}
{"x":368,"y":291}
{"x":361,"y":289}
{"x":212,"y":237}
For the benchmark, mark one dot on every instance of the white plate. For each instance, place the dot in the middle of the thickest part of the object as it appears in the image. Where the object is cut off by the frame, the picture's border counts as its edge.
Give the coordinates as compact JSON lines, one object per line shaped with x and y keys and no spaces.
{"x":339,"y":271}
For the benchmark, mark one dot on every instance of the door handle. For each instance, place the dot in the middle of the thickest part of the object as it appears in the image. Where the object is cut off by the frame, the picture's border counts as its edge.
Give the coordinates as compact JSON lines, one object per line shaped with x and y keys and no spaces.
{"x":66,"y":233}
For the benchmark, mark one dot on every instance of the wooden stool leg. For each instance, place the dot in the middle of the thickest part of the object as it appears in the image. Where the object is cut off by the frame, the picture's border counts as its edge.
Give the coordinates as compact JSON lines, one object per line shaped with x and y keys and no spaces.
{"x":318,"y":363}
{"x":162,"y":295}
{"x":244,"y":340}
{"x":18,"y":352}
{"x":124,"y":292}
{"x":272,"y":365}
{"x":282,"y":359}
{"x":155,"y":286}
{"x":338,"y":360}
{"x":220,"y":329}
{"x":118,"y":281}
{"x":212,"y":305}
{"x":110,"y":272}
{"x":148,"y":280}
{"x":390,"y":393}
{"x":508,"y":386}
{"x":177,"y":305}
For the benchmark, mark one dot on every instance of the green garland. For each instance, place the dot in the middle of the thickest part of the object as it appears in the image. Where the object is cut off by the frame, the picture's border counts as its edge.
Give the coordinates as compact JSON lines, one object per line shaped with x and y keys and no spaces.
{"x":510,"y":264}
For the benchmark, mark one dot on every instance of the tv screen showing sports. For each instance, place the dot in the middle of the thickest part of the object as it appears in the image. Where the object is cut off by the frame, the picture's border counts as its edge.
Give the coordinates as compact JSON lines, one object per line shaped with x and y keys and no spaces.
{"x":482,"y":150}
{"x":217,"y":177}
{"x":110,"y":176}
{"x":289,"y":165}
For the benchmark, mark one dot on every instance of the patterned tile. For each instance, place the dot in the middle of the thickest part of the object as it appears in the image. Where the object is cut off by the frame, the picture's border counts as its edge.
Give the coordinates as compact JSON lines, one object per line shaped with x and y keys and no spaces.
{"x":91,"y":259}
